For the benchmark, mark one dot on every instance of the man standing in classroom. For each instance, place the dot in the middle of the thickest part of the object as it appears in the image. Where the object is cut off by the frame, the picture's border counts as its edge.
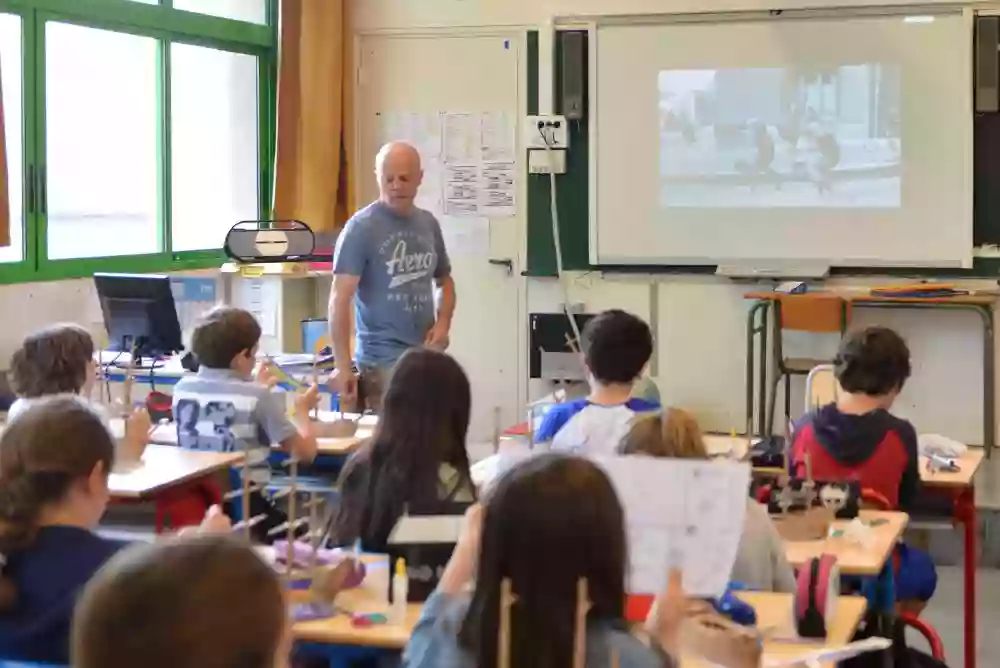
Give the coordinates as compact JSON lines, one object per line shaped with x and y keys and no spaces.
{"x":391,"y":268}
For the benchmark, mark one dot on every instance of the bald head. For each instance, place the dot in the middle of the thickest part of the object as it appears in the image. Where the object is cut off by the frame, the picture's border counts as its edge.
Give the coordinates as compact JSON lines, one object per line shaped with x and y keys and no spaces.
{"x":397,"y":167}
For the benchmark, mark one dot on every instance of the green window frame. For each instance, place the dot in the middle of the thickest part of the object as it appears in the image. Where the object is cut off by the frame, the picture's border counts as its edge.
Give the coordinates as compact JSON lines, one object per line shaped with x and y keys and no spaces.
{"x":167,"y":25}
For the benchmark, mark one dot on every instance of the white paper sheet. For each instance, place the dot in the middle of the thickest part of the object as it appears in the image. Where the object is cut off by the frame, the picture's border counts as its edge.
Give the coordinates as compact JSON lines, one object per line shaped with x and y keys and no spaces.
{"x":680,"y":513}
{"x":425,"y":134}
{"x":430,"y":195}
{"x":496,"y":198}
{"x":461,"y":190}
{"x":466,"y":235}
{"x":421,"y":129}
{"x":461,"y":139}
{"x":497,"y":136}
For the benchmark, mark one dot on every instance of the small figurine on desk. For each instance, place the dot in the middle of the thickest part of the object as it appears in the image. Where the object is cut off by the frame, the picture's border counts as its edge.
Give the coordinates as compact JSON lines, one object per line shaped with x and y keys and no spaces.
{"x":793,"y":505}
{"x":939,"y":464}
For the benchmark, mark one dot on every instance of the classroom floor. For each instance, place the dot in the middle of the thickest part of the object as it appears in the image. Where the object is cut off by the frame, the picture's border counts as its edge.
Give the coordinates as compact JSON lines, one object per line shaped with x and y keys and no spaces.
{"x":945,"y":614}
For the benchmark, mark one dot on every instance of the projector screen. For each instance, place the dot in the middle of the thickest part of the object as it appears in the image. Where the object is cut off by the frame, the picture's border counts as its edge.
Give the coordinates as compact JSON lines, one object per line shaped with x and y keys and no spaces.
{"x":842,"y":141}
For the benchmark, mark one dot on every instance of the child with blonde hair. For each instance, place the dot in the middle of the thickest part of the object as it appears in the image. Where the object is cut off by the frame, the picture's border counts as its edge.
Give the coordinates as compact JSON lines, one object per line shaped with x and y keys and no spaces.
{"x":760,"y":561}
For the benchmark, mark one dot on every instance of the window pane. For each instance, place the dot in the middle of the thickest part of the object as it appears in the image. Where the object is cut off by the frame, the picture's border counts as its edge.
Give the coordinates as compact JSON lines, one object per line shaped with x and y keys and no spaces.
{"x":100,"y":115}
{"x":10,"y":74}
{"x":214,"y":132}
{"x":254,"y":11}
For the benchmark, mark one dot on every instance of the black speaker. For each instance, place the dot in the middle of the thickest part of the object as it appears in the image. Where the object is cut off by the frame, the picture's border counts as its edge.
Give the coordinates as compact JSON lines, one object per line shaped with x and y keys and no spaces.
{"x":574,"y":74}
{"x":987,"y":65}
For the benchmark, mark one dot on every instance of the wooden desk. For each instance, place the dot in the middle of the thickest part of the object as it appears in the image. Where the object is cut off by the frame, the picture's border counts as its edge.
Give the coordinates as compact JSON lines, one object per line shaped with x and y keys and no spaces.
{"x":164,"y":467}
{"x":853,"y":559}
{"x":371,"y":596}
{"x":960,"y":487}
{"x":166,"y":434}
{"x":774,"y":611}
{"x":968,"y":465}
{"x":982,"y":304}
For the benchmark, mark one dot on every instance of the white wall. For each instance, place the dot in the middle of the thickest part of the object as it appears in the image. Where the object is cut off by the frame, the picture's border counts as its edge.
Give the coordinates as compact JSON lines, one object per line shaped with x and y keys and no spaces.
{"x":29,"y":306}
{"x":26,"y":307}
{"x":701,"y":321}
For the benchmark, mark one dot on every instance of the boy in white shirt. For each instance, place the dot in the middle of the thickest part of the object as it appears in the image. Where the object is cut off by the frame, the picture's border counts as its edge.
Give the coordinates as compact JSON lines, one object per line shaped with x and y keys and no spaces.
{"x":616,"y":348}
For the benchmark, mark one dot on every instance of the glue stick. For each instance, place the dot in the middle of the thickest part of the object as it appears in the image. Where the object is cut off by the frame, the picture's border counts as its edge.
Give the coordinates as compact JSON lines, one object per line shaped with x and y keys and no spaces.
{"x":399,"y":593}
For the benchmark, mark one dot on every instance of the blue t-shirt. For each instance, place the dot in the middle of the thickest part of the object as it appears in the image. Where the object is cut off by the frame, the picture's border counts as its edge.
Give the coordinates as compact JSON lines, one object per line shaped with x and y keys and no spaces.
{"x":48,"y":577}
{"x":397,"y":259}
{"x":585,"y":428}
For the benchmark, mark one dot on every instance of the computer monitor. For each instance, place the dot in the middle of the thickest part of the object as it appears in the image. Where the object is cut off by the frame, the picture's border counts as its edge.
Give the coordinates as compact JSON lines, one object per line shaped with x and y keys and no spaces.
{"x":139,"y":314}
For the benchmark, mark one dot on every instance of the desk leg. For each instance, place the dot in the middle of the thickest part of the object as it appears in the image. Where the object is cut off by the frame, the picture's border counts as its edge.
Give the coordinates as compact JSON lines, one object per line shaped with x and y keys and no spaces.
{"x":161,"y":516}
{"x":751,"y":361}
{"x":965,"y":512}
{"x":989,"y":380}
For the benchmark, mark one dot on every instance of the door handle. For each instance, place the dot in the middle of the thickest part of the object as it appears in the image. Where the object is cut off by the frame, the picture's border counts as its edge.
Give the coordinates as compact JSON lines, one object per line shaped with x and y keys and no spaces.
{"x":29,"y":194}
{"x":43,"y":191}
{"x":505,"y":262}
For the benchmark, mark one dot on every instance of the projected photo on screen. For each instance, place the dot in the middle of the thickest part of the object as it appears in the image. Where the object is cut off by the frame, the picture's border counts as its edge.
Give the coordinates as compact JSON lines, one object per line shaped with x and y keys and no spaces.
{"x":781,"y":137}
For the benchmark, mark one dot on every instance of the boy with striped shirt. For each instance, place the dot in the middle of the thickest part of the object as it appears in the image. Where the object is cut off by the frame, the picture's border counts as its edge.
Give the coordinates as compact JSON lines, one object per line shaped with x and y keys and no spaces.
{"x":224,"y":409}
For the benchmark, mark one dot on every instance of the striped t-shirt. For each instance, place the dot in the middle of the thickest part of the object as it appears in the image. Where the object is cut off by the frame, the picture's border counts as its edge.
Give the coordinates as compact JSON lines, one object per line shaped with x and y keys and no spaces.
{"x":218,"y":410}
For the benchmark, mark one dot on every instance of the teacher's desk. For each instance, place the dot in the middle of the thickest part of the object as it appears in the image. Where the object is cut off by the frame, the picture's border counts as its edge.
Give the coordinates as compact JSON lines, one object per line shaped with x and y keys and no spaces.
{"x":762,"y":321}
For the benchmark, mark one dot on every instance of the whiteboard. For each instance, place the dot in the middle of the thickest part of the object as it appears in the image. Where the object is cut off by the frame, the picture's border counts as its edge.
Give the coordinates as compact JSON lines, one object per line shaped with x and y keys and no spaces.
{"x":836,"y":139}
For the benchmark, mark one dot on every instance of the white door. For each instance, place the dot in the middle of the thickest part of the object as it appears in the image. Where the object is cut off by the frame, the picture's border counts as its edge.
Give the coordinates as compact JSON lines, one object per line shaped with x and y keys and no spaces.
{"x":406,"y":85}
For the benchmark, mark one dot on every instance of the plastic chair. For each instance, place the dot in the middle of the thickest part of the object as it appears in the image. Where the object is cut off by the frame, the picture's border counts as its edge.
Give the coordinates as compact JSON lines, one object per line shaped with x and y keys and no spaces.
{"x":872,"y":498}
{"x":817,"y":313}
{"x":822,"y":387}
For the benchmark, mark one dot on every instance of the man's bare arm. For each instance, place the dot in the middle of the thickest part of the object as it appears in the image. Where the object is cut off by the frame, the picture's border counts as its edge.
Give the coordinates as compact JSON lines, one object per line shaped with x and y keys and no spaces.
{"x":341,"y":314}
{"x":446,"y":299}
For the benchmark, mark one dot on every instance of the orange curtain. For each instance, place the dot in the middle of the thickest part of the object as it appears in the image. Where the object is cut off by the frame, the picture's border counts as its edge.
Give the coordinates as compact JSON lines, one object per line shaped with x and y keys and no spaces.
{"x":313,"y":182}
{"x":4,"y":199}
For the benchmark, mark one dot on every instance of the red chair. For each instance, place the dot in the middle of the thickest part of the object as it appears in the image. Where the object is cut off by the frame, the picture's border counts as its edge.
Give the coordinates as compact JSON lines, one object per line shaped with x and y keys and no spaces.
{"x":873,"y":498}
{"x":186,"y":505}
{"x":637,"y":607}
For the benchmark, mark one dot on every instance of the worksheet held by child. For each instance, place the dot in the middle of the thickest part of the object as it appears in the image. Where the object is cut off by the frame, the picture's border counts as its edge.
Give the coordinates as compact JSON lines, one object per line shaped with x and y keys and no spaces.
{"x":681,"y":513}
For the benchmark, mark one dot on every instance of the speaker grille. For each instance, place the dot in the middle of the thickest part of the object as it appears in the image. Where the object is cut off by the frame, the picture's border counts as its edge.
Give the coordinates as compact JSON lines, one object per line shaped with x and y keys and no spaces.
{"x":987,"y":65}
{"x":574,"y":74}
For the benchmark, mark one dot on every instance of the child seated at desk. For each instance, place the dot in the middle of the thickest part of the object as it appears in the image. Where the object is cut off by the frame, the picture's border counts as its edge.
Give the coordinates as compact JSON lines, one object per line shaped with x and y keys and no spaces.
{"x":760,"y":562}
{"x":59,"y":361}
{"x":223,"y":408}
{"x":549,"y":521}
{"x":616,"y":348}
{"x":857,"y":438}
{"x":198,"y":602}
{"x":54,"y":464}
{"x":416,"y":458}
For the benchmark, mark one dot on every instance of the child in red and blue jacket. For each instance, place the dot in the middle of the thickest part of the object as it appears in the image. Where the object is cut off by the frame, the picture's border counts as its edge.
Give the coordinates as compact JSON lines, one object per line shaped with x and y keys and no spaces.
{"x":858,"y":439}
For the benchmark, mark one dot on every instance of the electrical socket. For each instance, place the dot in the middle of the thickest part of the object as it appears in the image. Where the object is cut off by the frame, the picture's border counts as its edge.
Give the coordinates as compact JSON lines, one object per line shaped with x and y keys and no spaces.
{"x":554,"y":128}
{"x":538,"y":161}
